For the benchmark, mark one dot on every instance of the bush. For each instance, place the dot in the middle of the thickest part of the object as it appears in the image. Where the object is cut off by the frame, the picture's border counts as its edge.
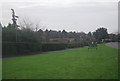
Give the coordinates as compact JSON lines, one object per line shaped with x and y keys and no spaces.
{"x":53,"y":46}
{"x":73,"y":45}
{"x":24,"y":48}
{"x":14,"y":49}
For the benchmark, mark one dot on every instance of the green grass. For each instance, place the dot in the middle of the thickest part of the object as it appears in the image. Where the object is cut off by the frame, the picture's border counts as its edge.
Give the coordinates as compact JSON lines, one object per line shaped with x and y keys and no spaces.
{"x":74,"y":64}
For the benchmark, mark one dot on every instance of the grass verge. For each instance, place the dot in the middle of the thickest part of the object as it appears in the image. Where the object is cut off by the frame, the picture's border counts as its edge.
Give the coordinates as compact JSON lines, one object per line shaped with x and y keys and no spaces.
{"x":74,"y":64}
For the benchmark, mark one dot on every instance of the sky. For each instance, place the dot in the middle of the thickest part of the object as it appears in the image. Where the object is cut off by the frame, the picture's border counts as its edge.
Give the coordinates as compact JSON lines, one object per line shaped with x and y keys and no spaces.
{"x":71,"y":15}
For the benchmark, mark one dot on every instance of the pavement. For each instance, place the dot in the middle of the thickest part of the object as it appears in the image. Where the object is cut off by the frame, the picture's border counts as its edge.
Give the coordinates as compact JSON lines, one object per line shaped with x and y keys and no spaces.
{"x":114,"y":45}
{"x":34,"y":54}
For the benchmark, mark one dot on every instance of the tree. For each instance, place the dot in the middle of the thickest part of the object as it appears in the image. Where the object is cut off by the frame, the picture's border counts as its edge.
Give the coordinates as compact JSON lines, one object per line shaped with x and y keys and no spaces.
{"x":113,"y":37}
{"x":101,"y":33}
{"x":9,"y":33}
{"x":30,"y":30}
{"x":14,"y":18}
{"x":64,"y":34}
{"x":90,"y":34}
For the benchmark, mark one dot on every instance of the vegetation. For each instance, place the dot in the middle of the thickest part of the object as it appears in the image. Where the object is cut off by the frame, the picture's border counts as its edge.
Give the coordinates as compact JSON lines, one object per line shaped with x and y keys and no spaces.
{"x":81,"y":63}
{"x":73,"y":64}
{"x":101,"y":33}
{"x":25,"y":40}
{"x":25,"y":48}
{"x":18,"y":49}
{"x":53,"y":46}
{"x":28,"y":35}
{"x":22,"y":38}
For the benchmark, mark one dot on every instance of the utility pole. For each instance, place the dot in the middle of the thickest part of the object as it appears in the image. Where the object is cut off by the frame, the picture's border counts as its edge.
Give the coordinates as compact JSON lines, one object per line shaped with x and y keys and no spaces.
{"x":14,"y":19}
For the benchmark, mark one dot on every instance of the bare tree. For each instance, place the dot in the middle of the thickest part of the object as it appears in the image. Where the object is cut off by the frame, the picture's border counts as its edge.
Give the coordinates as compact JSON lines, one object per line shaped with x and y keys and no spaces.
{"x":26,"y":23}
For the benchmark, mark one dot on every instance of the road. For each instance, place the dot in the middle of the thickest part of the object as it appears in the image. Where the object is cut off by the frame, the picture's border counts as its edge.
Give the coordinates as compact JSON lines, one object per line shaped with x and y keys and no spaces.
{"x":114,"y":45}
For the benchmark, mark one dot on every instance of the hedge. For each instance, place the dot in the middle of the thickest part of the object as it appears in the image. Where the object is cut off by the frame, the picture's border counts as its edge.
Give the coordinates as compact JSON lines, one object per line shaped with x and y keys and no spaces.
{"x":53,"y":46}
{"x":24,"y":48}
{"x":15,"y":49}
{"x":73,"y":45}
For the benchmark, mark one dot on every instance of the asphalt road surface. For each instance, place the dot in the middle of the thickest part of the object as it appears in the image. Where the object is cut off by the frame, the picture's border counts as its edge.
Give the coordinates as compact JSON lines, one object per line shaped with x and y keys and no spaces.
{"x":114,"y":45}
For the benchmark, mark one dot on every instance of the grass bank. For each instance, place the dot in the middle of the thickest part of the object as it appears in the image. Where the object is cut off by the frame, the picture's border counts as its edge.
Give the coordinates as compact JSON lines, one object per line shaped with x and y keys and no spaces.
{"x":73,"y":64}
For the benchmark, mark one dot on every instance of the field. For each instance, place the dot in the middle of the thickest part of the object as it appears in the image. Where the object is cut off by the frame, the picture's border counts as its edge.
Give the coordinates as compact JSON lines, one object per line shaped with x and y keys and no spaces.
{"x":74,"y":64}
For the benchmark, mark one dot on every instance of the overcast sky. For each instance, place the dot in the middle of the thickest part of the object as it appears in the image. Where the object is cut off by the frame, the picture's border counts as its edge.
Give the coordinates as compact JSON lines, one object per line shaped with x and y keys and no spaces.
{"x":71,"y":15}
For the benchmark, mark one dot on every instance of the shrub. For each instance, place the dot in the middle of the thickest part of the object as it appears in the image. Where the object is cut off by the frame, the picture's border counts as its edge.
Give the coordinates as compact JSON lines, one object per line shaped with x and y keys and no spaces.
{"x":72,"y":45}
{"x":24,"y":48}
{"x":53,"y":46}
{"x":14,"y":49}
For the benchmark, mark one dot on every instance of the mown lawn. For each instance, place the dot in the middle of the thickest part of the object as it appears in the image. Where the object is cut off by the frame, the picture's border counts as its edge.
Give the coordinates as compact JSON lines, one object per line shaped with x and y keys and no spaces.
{"x":73,"y":64}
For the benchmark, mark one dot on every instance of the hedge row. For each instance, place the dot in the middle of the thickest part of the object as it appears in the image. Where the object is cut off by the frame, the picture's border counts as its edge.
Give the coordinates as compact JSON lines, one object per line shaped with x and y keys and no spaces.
{"x":53,"y":46}
{"x":15,"y":49}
